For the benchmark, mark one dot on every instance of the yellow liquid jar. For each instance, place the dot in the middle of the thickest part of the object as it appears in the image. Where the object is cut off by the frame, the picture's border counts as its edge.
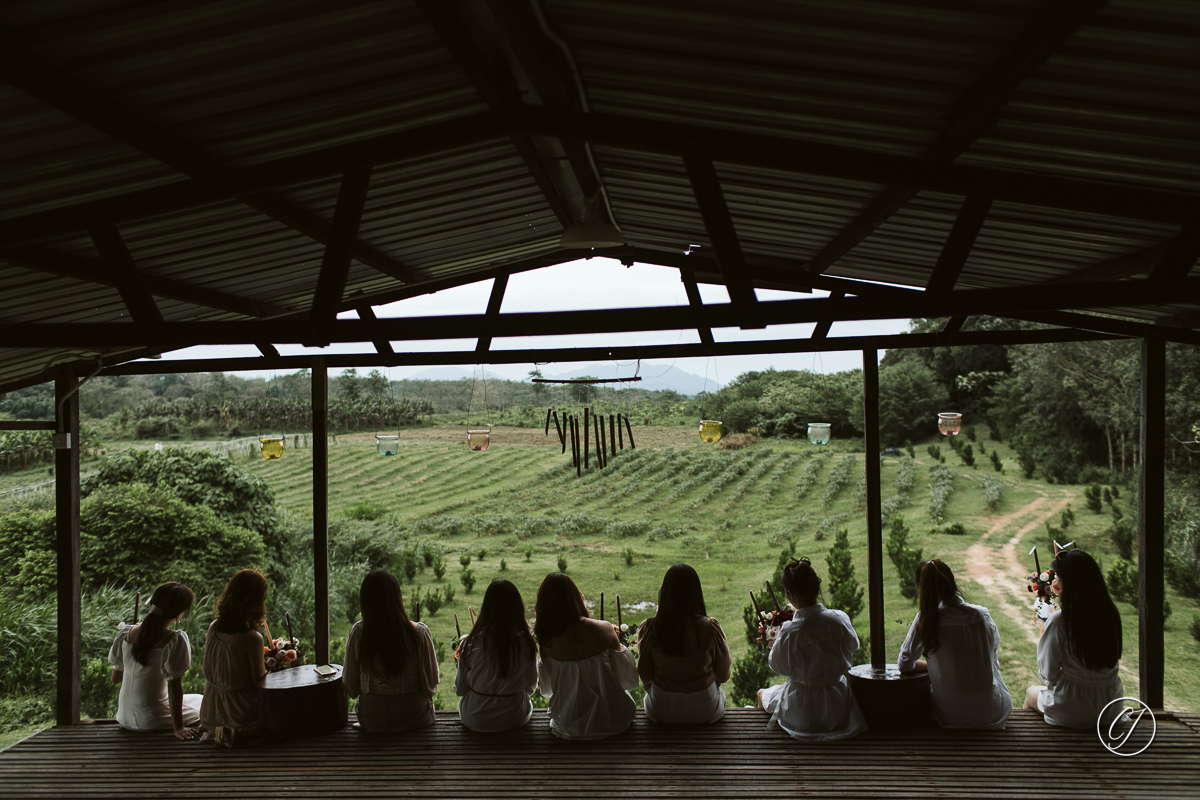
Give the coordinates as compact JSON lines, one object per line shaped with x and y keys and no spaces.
{"x":271,"y":447}
{"x":710,"y":430}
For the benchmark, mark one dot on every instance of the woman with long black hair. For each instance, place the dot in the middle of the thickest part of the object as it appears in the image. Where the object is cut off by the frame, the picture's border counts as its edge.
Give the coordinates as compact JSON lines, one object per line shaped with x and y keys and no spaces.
{"x":497,"y":664}
{"x":1080,"y":648}
{"x":149,"y":661}
{"x":390,"y":664}
{"x":683,"y":656}
{"x":585,"y":670}
{"x":960,"y":646}
{"x":813,"y":650}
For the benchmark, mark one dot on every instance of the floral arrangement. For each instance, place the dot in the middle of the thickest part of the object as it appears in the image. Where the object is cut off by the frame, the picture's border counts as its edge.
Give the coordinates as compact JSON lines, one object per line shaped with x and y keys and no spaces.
{"x":279,"y":654}
{"x":769,"y":623}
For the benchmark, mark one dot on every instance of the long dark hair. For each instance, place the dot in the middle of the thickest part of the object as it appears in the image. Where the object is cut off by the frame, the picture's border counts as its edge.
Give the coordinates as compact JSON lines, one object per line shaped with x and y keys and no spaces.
{"x":169,"y":601}
{"x":801,"y":579}
{"x":502,"y":618}
{"x":242,"y":606}
{"x":680,"y":607}
{"x":1090,"y":618}
{"x":387,"y":634}
{"x":559,"y":606}
{"x":937,"y":584}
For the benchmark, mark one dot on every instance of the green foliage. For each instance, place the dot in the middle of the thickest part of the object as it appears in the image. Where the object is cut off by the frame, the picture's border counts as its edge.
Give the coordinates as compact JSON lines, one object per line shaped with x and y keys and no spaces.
{"x":448,"y":591}
{"x":935,"y":452}
{"x":1027,"y":463}
{"x":1107,"y":495}
{"x":907,"y":391}
{"x":365,"y":511}
{"x":967,"y":455}
{"x":1092,"y":493}
{"x":993,"y":491}
{"x":838,"y":477}
{"x":528,"y":555}
{"x":627,"y":553}
{"x":970,"y":432}
{"x":750,"y":673}
{"x":482,"y":554}
{"x":465,"y":560}
{"x":562,"y":562}
{"x":201,"y":478}
{"x":1067,"y":516}
{"x":904,"y":557}
{"x":467,"y":576}
{"x":1122,"y":580}
{"x":1195,"y":628}
{"x":941,"y":486}
{"x":997,"y":464}
{"x":97,"y":693}
{"x":844,"y":591}
{"x":1122,"y":535}
{"x":432,"y":601}
{"x":503,"y":565}
{"x":809,"y":476}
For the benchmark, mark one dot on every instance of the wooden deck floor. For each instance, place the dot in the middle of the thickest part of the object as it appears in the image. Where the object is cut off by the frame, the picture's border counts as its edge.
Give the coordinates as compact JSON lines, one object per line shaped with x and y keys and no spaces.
{"x":735,"y":758}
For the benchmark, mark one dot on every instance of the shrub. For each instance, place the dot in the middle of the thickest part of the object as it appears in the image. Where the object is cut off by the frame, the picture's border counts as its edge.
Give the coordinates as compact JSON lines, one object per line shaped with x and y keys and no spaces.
{"x":465,"y":560}
{"x":1122,"y":536}
{"x":1027,"y":463}
{"x":1122,"y":581}
{"x":837,"y":479}
{"x":844,"y":591}
{"x":439,"y":567}
{"x":432,"y":601}
{"x":529,"y":554}
{"x":562,"y":562}
{"x":941,"y":486}
{"x":1195,"y":628}
{"x":993,"y":491}
{"x":1106,"y":495}
{"x":904,"y":557}
{"x":1067,"y":516}
{"x":1092,"y":494}
{"x":750,"y":673}
{"x":365,"y":511}
{"x":467,"y":576}
{"x":970,"y":432}
{"x":935,"y":452}
{"x":628,"y":554}
{"x":997,"y":464}
{"x":482,"y":554}
{"x":967,"y":454}
{"x":503,"y":565}
{"x":448,"y":591}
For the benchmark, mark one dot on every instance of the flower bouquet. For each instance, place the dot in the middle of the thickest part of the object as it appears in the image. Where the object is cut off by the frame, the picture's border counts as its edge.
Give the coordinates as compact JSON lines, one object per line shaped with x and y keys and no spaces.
{"x":280,"y":654}
{"x":770,"y":622}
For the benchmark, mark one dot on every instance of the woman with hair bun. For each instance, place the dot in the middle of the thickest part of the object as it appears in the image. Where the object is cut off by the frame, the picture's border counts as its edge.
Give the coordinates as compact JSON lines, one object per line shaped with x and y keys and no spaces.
{"x":233,"y":656}
{"x":497,"y":664}
{"x":813,"y":650}
{"x":1080,"y":648}
{"x":585,"y":670}
{"x":149,"y":661}
{"x":960,"y":645}
{"x":683,"y":656}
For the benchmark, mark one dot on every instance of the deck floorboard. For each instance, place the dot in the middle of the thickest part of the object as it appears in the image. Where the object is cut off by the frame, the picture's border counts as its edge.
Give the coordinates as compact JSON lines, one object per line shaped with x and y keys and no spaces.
{"x":735,"y":758}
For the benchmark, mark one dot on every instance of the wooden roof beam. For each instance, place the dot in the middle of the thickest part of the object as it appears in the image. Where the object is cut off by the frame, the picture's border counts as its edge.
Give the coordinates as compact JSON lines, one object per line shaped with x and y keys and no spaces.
{"x":335,"y":265}
{"x":973,"y":114}
{"x":382,"y":346}
{"x":1179,"y":258}
{"x":693,"y":295}
{"x":115,"y":256}
{"x":721,"y":232}
{"x":493,"y":310}
{"x":90,"y":106}
{"x":82,"y":269}
{"x":1004,"y":301}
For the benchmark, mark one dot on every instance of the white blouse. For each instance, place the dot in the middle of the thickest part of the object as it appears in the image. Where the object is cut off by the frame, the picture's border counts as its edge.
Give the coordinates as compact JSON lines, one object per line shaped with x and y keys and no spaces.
{"x":489,"y":702}
{"x":143,"y":704}
{"x":588,"y":697}
{"x":1074,"y":695}
{"x":814,"y":650}
{"x":964,"y":673}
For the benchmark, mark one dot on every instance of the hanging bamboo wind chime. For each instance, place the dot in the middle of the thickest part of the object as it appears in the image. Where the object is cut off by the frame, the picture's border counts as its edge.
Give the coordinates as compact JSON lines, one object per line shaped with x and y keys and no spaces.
{"x":605,"y":436}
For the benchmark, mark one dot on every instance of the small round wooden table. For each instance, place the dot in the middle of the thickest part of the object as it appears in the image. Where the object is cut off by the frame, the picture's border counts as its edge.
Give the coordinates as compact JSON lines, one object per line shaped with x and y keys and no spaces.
{"x":299,"y":702}
{"x":890,"y":699}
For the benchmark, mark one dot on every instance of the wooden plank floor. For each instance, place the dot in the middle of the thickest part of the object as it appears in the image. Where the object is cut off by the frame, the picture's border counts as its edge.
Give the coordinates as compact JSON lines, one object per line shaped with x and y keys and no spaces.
{"x":735,"y":758}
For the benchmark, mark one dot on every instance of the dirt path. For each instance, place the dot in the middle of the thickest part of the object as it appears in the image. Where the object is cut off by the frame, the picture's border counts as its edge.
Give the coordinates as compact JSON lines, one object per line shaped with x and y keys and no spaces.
{"x":994,"y":563}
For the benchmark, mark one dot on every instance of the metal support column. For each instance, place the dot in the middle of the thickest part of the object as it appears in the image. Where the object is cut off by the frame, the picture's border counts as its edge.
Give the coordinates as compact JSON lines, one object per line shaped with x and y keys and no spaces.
{"x":66,"y":523}
{"x":1151,"y":522}
{"x":320,"y":404}
{"x":874,"y":512}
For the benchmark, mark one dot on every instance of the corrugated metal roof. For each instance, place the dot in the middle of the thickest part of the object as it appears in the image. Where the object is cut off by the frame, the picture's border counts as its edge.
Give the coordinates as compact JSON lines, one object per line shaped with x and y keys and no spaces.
{"x":105,"y":98}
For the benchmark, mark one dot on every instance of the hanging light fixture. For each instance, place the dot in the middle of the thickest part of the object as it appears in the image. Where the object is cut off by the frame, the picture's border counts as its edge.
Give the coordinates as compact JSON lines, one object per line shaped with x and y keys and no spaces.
{"x":593,"y":231}
{"x":949,"y":423}
{"x":710,"y":430}
{"x":818,"y":432}
{"x":271,"y":446}
{"x":387,"y":445}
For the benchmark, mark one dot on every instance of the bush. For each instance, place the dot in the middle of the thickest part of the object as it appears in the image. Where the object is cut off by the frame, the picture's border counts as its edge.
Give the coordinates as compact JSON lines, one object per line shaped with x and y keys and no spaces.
{"x":503,"y":565}
{"x":1195,"y":628}
{"x":529,"y":554}
{"x":1028,"y":464}
{"x":432,"y":601}
{"x":439,"y":567}
{"x":970,"y":432}
{"x":935,"y":452}
{"x":467,"y":576}
{"x":562,"y":562}
{"x":941,"y":486}
{"x":997,"y":464}
{"x":1092,"y":494}
{"x":465,"y":560}
{"x":365,"y":511}
{"x":628,"y":554}
{"x":1122,"y":536}
{"x":97,"y":693}
{"x":967,"y":454}
{"x":448,"y":591}
{"x":482,"y":554}
{"x":904,"y":557}
{"x":1122,"y":581}
{"x":750,"y":673}
{"x":993,"y":491}
{"x":844,"y":591}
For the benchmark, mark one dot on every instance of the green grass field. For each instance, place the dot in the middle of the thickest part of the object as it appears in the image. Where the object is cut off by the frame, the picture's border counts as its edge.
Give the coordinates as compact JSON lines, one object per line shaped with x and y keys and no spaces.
{"x":727,"y":513}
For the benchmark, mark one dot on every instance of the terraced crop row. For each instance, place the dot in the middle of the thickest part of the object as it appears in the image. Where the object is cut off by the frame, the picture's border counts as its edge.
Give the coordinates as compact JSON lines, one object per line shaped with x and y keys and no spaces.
{"x":838,"y":477}
{"x":809,"y":478}
{"x":782,"y":470}
{"x":740,"y":466}
{"x":640,"y":485}
{"x":702,"y":473}
{"x":754,"y":476}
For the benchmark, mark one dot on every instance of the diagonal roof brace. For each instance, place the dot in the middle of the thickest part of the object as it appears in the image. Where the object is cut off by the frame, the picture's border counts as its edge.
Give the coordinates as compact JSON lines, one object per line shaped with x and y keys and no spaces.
{"x":499,"y":285}
{"x":335,"y":266}
{"x":128,"y":279}
{"x":721,"y":232}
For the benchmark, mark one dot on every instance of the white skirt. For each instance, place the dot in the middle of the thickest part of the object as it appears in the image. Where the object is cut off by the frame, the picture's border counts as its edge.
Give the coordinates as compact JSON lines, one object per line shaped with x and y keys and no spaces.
{"x":691,"y":708}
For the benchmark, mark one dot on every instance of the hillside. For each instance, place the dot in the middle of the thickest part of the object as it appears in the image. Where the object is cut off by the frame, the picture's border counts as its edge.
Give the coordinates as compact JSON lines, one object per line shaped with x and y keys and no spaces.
{"x":727,"y":513}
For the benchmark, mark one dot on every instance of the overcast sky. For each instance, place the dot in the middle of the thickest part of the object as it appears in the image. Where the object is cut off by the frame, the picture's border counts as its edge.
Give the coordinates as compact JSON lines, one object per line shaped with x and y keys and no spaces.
{"x":608,"y":284}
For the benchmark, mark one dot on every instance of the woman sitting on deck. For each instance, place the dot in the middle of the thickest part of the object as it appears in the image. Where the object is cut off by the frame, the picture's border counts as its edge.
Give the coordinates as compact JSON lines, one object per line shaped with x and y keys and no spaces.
{"x":961,"y":646}
{"x":683,"y":656}
{"x":149,"y":662}
{"x":233,"y":656}
{"x":497,"y":664}
{"x":814,"y":650}
{"x":390,"y":661}
{"x":585,"y":670}
{"x":1079,"y":649}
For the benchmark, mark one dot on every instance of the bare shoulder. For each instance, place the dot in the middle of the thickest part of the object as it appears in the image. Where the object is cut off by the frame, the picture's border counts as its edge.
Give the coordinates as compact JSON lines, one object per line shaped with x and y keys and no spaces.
{"x":602,"y":630}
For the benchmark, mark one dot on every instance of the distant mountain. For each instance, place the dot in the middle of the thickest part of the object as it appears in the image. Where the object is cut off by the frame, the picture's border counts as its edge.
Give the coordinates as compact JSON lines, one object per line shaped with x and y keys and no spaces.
{"x":653,"y":378}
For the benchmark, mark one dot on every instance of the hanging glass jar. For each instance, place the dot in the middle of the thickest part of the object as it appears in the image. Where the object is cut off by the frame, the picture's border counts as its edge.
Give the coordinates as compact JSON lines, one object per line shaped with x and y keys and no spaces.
{"x":271,"y":446}
{"x":818,"y":432}
{"x":387,"y":445}
{"x":710,"y":430}
{"x":479,"y":438}
{"x":949,"y":423}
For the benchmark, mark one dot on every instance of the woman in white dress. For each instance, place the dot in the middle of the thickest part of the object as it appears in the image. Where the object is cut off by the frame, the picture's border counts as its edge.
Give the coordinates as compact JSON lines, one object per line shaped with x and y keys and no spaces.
{"x":391,"y":665}
{"x":149,"y":662}
{"x":814,"y":650}
{"x":960,"y":645}
{"x":585,"y":671}
{"x":1080,"y":648}
{"x":683,"y":656}
{"x":497,"y":664}
{"x":233,"y":658}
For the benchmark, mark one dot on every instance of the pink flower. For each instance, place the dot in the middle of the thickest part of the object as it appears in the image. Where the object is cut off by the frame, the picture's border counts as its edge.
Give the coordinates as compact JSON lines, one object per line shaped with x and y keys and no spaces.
{"x":271,"y":663}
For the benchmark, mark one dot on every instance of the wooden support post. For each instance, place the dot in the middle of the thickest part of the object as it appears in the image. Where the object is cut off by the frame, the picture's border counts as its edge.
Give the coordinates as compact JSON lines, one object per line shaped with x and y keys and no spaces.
{"x":66,"y":507}
{"x":601,"y":442}
{"x":587,"y":421}
{"x":874,"y":513}
{"x":320,"y":407}
{"x":1151,"y":525}
{"x":612,"y":435}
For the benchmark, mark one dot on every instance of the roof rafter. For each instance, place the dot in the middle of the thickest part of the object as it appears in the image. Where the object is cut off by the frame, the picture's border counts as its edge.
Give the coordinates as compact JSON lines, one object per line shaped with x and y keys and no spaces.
{"x":335,"y":265}
{"x":973,"y":114}
{"x":382,"y":346}
{"x":721,"y":231}
{"x":92,"y":107}
{"x":495,"y":300}
{"x":115,"y":256}
{"x":693,"y":295}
